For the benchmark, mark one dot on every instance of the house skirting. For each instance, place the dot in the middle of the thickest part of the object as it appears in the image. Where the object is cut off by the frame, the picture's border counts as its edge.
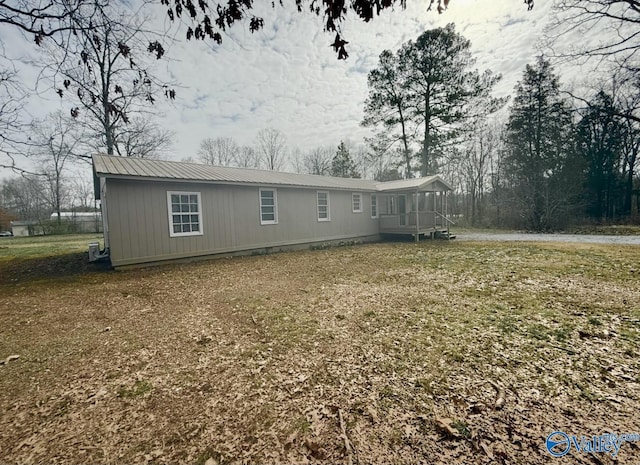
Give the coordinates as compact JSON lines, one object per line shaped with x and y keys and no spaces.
{"x":244,"y":251}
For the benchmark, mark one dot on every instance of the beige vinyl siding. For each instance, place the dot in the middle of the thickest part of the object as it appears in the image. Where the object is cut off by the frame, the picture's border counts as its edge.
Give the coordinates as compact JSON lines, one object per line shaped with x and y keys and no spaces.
{"x":103,"y":209}
{"x":139,"y":220}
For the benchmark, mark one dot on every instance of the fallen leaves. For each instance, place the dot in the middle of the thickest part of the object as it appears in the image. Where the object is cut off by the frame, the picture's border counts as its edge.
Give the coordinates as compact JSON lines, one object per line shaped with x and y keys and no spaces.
{"x":10,"y":358}
{"x":366,"y":354}
{"x":446,"y":426}
{"x":500,"y":396}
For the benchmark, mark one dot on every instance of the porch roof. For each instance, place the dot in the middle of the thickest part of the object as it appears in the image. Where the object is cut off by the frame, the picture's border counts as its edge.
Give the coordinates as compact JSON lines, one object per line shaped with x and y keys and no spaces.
{"x":428,"y":184}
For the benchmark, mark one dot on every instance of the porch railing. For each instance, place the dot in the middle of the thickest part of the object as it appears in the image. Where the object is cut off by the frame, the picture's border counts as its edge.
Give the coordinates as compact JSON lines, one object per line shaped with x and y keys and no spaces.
{"x":407,"y":221}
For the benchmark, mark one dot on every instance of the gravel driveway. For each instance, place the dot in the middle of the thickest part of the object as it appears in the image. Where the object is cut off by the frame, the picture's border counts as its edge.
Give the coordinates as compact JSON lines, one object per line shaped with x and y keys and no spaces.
{"x":593,"y":238}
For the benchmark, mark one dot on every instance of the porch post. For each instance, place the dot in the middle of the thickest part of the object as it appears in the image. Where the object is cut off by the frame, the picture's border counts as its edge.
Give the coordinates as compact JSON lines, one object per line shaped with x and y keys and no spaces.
{"x":417,"y":217}
{"x":446,"y":209}
{"x":442,"y":205}
{"x":435,"y":211}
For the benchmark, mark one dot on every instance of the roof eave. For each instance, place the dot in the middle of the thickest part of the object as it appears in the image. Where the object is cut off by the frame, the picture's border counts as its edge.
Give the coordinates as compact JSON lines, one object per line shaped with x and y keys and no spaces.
{"x":231,"y":183}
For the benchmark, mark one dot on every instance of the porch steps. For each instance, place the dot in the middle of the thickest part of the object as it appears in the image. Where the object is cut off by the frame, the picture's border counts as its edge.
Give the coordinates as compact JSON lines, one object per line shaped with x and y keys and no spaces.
{"x":444,"y":234}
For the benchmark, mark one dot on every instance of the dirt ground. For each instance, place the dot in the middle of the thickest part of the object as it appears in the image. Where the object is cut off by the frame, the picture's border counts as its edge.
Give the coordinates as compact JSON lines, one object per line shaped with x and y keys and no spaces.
{"x":457,"y":353}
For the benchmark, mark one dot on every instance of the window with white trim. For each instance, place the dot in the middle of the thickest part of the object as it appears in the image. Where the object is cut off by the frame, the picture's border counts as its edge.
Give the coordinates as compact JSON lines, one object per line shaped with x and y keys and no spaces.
{"x":268,"y":206}
{"x":324,"y":213}
{"x":356,"y":203}
{"x":374,"y":206}
{"x":185,"y":213}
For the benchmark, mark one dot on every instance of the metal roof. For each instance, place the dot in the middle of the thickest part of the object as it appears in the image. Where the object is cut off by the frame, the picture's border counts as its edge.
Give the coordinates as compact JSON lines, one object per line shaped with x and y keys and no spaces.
{"x":429,"y":183}
{"x":130,"y":167}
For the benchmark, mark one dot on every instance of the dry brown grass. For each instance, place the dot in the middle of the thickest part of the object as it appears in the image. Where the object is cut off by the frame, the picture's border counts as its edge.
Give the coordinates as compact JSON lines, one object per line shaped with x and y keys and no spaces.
{"x":257,"y":359}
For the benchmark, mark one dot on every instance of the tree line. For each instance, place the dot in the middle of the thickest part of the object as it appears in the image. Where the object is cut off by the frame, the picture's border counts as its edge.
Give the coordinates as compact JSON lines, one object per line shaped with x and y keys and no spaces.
{"x":556,"y":158}
{"x":271,"y":152}
{"x":555,"y":161}
{"x":557,"y":155}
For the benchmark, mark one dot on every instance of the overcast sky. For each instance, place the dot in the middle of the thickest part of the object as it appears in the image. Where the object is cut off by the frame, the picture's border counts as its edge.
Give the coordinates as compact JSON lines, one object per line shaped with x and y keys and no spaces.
{"x":288,"y":78}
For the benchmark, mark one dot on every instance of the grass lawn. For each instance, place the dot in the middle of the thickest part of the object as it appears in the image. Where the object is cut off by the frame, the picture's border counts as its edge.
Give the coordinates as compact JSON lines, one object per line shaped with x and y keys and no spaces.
{"x":27,"y":259}
{"x":44,"y":246}
{"x":605,"y":230}
{"x":438,"y":352}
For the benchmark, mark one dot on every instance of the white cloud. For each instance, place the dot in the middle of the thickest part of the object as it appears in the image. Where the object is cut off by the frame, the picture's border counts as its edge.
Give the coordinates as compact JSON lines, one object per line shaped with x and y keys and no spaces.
{"x":287,"y":77}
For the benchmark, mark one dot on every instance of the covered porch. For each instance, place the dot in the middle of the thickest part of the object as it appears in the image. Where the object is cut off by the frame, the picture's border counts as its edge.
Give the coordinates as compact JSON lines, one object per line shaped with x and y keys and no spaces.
{"x":417,"y":207}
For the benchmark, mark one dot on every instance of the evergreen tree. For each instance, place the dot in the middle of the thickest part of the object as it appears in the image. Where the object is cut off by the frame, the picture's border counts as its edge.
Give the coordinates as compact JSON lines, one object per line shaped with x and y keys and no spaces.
{"x":600,"y":137}
{"x":427,"y":94}
{"x":342,"y":165}
{"x":444,"y":90}
{"x":538,"y":144}
{"x":388,"y":104}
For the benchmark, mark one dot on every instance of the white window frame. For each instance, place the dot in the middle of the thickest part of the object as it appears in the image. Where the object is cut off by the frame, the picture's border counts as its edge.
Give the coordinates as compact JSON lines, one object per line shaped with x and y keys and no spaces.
{"x":170,"y":211}
{"x":275,"y":206}
{"x":374,"y":200}
{"x":355,"y":195}
{"x":328,"y":218}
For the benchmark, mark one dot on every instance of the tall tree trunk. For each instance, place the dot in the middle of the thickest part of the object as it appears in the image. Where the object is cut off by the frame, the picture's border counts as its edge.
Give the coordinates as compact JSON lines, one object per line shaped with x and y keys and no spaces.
{"x":473,"y":207}
{"x":57,"y":199}
{"x":628,"y":190}
{"x":426,"y":159}
{"x":407,"y":157}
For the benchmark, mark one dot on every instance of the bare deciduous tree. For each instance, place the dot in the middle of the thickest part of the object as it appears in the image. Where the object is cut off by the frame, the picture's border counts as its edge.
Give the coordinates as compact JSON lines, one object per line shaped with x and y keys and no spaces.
{"x":475,"y":165}
{"x":23,"y":196}
{"x":318,"y":160}
{"x":82,"y":191}
{"x":586,"y":19}
{"x":55,"y":142}
{"x":248,"y":157}
{"x":271,"y":145}
{"x":143,"y":138}
{"x":105,"y":66}
{"x":44,"y":18}
{"x":12,"y":125}
{"x":221,"y":151}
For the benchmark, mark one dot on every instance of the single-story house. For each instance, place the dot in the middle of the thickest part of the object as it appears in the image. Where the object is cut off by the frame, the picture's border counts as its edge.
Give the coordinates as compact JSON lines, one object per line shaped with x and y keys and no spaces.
{"x":154,"y":211}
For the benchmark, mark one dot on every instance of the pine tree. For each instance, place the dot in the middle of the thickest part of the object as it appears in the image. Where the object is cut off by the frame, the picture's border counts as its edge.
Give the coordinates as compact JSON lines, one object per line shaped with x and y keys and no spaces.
{"x":446,"y":92}
{"x":539,"y":146}
{"x":600,"y":137}
{"x":388,"y":104}
{"x":342,"y":165}
{"x":427,"y":94}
